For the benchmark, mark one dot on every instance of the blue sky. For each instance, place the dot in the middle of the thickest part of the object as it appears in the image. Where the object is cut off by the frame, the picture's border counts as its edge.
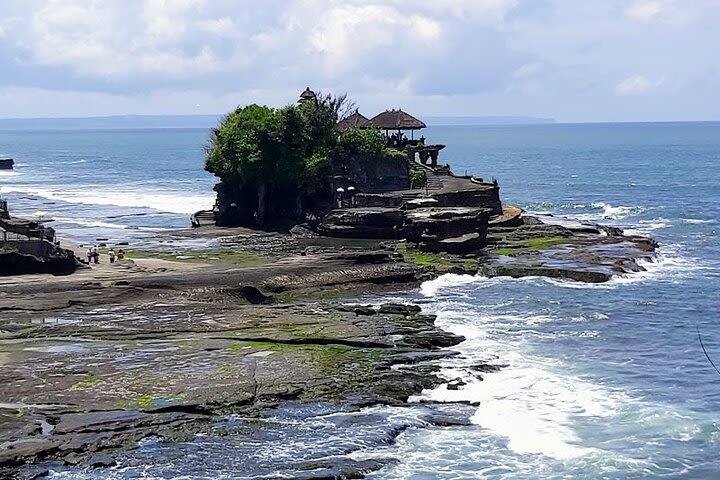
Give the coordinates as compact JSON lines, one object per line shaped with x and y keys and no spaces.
{"x":572,"y":60}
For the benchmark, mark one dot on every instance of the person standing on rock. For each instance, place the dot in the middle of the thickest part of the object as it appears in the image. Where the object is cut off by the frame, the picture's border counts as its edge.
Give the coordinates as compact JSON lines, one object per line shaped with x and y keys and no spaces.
{"x":111,"y":254}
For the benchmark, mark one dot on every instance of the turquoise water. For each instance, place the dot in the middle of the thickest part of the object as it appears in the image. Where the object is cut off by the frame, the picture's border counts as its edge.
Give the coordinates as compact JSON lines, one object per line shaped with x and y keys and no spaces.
{"x":602,"y":381}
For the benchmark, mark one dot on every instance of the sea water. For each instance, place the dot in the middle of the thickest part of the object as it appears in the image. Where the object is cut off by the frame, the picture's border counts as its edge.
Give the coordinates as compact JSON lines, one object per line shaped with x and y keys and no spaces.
{"x":119,"y":185}
{"x":597,"y":381}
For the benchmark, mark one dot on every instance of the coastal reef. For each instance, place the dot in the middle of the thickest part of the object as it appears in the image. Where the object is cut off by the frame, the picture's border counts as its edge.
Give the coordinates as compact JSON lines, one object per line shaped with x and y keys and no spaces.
{"x":92,"y":367}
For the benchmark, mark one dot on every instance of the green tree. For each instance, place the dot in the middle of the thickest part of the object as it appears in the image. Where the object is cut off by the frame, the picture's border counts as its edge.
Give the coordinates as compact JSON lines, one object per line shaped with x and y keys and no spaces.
{"x":275,"y":152}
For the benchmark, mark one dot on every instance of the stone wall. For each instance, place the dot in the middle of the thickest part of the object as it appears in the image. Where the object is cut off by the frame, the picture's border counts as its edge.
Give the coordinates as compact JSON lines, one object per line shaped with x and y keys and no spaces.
{"x":370,"y":173}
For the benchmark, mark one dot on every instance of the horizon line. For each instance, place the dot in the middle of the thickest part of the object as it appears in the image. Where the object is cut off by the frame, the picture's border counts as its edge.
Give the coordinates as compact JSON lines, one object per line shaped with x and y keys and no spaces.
{"x":530,"y":120}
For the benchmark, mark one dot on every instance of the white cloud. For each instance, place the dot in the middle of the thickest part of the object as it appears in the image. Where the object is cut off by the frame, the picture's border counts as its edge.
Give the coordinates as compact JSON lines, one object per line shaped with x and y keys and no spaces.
{"x":673,"y":12}
{"x":645,"y":11}
{"x":438,"y":53}
{"x":115,"y":39}
{"x":637,"y":85}
{"x":345,"y":36}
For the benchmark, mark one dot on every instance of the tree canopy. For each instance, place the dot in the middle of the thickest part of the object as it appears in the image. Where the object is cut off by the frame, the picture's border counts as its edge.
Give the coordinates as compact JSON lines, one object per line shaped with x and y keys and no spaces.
{"x":258,"y":144}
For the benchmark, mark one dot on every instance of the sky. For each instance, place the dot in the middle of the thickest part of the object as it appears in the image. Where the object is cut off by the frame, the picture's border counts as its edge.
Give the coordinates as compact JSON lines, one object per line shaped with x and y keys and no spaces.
{"x":571,"y":60}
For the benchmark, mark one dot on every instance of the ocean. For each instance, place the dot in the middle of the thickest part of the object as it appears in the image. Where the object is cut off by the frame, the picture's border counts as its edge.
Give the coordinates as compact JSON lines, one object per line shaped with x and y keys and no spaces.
{"x":598,"y":381}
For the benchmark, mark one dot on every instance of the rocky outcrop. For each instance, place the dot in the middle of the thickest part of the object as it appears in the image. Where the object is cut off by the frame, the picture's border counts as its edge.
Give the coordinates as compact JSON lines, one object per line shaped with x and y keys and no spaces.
{"x":486,"y":197}
{"x":588,"y":253}
{"x":451,"y":230}
{"x":363,"y":223}
{"x":19,"y":258}
{"x":248,"y":360}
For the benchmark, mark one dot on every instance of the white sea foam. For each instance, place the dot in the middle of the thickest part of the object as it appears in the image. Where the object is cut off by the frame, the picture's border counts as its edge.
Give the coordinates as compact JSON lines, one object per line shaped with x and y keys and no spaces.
{"x":646,"y":227}
{"x":9,"y":173}
{"x":527,"y":402}
{"x":618,"y":213}
{"x":697,"y":221}
{"x":535,"y":402}
{"x":92,"y":223}
{"x":164,"y":201}
{"x":448,"y":281}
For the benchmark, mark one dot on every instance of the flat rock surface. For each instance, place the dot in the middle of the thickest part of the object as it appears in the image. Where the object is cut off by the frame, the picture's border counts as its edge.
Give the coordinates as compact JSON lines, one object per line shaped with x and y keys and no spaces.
{"x":589,"y":253}
{"x":92,"y":378}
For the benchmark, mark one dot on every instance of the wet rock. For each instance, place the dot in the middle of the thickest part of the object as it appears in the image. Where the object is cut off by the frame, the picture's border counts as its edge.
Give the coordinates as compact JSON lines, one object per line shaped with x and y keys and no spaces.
{"x":254,"y":295}
{"x":450,"y":414}
{"x":433,"y":339}
{"x":340,"y":468}
{"x":449,"y":421}
{"x":520,"y":271}
{"x":411,"y":358}
{"x":487,"y":368}
{"x":399,"y":309}
{"x":456,"y":384}
{"x":101,"y":460}
{"x":366,"y":311}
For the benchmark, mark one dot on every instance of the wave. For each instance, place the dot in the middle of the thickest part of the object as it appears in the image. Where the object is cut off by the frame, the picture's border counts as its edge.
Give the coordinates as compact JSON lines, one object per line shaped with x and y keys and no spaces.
{"x":698,"y":221}
{"x":9,"y":173}
{"x":536,"y":406}
{"x":83,"y":222}
{"x":618,"y":213}
{"x":164,"y":201}
{"x":527,"y":402}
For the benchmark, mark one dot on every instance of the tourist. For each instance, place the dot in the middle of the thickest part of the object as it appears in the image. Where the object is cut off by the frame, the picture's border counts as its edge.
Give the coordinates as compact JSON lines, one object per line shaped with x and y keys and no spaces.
{"x":120,"y":254}
{"x":111,"y":254}
{"x":89,"y":255}
{"x":95,"y":254}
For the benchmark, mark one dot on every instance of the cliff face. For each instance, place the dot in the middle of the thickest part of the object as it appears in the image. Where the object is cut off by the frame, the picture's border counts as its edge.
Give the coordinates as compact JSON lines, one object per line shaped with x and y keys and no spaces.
{"x":239,"y":204}
{"x":371,"y":173}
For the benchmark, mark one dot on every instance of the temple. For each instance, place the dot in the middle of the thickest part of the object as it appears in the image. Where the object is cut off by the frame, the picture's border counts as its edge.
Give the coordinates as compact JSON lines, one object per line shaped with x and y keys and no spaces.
{"x":377,"y":196}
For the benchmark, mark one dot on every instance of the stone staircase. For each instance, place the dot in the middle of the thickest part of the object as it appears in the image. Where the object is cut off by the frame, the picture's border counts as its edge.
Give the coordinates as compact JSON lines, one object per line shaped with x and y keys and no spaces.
{"x":203,"y":218}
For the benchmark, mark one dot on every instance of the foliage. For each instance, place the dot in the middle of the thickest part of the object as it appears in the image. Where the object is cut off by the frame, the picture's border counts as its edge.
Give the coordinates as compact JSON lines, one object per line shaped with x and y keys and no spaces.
{"x":260,"y":145}
{"x":366,"y":141}
{"x":395,"y":154}
{"x":418,"y":178}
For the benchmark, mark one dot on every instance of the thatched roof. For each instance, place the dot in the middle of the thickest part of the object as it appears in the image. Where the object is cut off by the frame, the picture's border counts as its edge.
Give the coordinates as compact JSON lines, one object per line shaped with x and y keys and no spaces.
{"x":396,"y":120}
{"x":356,"y":120}
{"x":307,"y":95}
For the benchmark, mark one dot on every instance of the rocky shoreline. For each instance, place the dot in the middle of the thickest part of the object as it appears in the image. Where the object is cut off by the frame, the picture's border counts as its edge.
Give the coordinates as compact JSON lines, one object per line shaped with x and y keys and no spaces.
{"x":93,"y":363}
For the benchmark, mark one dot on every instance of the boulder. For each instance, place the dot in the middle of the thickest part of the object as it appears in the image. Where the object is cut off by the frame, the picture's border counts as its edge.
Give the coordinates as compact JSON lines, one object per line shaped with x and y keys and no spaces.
{"x":470,"y":242}
{"x":399,"y":309}
{"x":363,"y":223}
{"x":20,"y":258}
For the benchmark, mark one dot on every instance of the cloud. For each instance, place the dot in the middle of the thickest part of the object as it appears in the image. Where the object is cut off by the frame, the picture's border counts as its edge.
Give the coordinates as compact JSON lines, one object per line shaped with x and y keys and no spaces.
{"x":645,"y":11}
{"x":673,"y":12}
{"x":149,"y":44}
{"x":346,"y":36}
{"x":472,"y":56}
{"x":637,"y":85}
